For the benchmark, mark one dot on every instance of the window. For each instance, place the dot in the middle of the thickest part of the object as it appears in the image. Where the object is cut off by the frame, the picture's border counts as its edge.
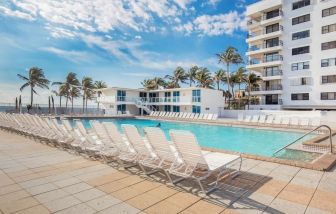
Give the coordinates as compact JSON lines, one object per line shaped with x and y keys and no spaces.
{"x":328,"y":28}
{"x":196,"y":109}
{"x":167,"y":108}
{"x":176,"y":108}
{"x":301,"y":96}
{"x":300,"y":66}
{"x":300,"y":81}
{"x":272,"y":28}
{"x":300,"y":35}
{"x":270,"y":57}
{"x":329,"y":11}
{"x":196,"y":95}
{"x":299,"y":4}
{"x":121,"y":108}
{"x":328,"y":96}
{"x":301,"y":19}
{"x":271,"y":99}
{"x":272,"y":14}
{"x":328,"y":62}
{"x":300,"y":50}
{"x":121,"y":95}
{"x":329,"y":79}
{"x":176,"y":96}
{"x":328,"y":45}
{"x":272,"y":71}
{"x":272,"y":42}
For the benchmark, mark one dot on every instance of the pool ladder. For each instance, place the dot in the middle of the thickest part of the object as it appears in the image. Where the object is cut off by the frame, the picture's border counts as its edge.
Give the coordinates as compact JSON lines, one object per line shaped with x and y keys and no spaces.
{"x":317,"y":128}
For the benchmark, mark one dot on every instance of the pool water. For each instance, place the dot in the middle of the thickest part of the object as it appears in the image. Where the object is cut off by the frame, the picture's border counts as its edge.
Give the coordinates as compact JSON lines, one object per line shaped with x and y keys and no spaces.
{"x":244,"y":140}
{"x":296,"y":155}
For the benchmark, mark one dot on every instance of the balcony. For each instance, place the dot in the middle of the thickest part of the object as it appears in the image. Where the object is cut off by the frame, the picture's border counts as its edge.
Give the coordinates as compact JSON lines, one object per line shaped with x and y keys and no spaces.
{"x":272,"y":89}
{"x":271,"y":75}
{"x":264,"y":19}
{"x":263,"y":48}
{"x":272,"y":60}
{"x":149,"y":101}
{"x":263,"y":34}
{"x":258,"y":7}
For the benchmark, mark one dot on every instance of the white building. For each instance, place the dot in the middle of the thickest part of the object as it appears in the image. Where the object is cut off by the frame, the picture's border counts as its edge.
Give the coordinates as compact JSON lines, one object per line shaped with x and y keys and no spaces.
{"x":140,"y":101}
{"x":292,"y":46}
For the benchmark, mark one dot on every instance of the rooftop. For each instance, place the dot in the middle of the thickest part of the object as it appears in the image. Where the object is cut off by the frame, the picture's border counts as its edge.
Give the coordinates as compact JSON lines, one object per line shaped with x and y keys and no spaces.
{"x":36,"y":178}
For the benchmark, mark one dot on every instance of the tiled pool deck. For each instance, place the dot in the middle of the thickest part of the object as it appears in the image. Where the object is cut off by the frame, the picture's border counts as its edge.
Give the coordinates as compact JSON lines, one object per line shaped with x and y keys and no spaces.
{"x":35,"y":178}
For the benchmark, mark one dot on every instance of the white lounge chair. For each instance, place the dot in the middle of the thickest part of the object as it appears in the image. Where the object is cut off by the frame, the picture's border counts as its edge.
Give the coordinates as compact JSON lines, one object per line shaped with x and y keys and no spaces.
{"x":255,"y":119}
{"x":215,"y":117}
{"x":197,"y":165}
{"x":285,"y":121}
{"x":262,"y":119}
{"x":304,"y":122}
{"x":269,"y":119}
{"x":294,"y":121}
{"x":315,"y":122}
{"x":248,"y":118}
{"x":240,"y":117}
{"x":277,"y":120}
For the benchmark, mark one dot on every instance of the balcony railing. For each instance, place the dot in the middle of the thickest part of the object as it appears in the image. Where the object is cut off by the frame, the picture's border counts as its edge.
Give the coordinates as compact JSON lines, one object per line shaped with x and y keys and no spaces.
{"x":268,"y":88}
{"x":272,"y":73}
{"x":266,"y":59}
{"x":265,"y":46}
{"x":264,"y":17}
{"x":264,"y":102}
{"x":263,"y":32}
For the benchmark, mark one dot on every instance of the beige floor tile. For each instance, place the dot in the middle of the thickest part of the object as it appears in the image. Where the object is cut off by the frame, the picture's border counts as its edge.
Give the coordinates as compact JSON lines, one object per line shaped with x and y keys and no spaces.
{"x":52,"y":195}
{"x":39,"y":209}
{"x":89,"y":194}
{"x":324,"y":200}
{"x":107,"y":178}
{"x":103,"y":202}
{"x":80,"y":208}
{"x":283,"y":206}
{"x":9,"y":189}
{"x":202,"y":206}
{"x":73,"y":189}
{"x":61,"y":203}
{"x":67,"y":182}
{"x":297,"y":194}
{"x":14,"y":196}
{"x":272,"y":187}
{"x":18,"y":205}
{"x":120,"y":208}
{"x":41,"y":189}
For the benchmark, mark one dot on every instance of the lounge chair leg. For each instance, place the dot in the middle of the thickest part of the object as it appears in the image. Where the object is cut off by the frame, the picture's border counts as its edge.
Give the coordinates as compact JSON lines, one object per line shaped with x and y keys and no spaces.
{"x":201,"y":185}
{"x":176,"y":181}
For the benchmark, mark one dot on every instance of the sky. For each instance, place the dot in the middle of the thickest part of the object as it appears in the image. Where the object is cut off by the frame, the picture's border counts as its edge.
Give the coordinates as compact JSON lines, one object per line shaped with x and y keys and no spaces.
{"x":121,"y":42}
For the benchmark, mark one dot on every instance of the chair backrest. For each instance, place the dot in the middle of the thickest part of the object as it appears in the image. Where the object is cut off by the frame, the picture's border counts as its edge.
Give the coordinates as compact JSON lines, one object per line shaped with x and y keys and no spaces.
{"x":285,"y":121}
{"x":269,"y":119}
{"x":277,"y":119}
{"x":100,"y":131}
{"x":200,"y":117}
{"x":240,"y":117}
{"x":210,"y":116}
{"x":80,"y":127}
{"x":294,"y":121}
{"x":248,"y":118}
{"x":135,"y":139}
{"x":262,"y":118}
{"x":116,"y":136}
{"x":67,"y":124}
{"x":159,"y":143}
{"x":304,"y":122}
{"x":188,"y":148}
{"x":316,"y":121}
{"x":255,"y":118}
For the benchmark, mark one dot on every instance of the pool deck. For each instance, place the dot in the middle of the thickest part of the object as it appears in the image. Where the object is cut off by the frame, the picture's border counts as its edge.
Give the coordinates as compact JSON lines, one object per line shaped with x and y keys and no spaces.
{"x":36,"y":178}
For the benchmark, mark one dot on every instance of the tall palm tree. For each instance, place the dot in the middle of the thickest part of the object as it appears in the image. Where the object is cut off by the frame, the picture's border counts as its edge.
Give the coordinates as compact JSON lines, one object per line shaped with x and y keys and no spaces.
{"x":191,"y":74}
{"x":35,"y":78}
{"x":99,"y":85}
{"x":74,"y":92}
{"x":60,"y":93}
{"x":87,"y":90}
{"x":179,"y":76}
{"x":240,"y":77}
{"x":218,"y":77}
{"x":252,"y":80}
{"x":204,"y":78}
{"x":228,"y":57}
{"x":153,"y":84}
{"x":70,"y":81}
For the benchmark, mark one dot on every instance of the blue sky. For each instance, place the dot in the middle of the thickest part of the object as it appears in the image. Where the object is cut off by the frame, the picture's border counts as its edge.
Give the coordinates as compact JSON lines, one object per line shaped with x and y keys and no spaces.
{"x":121,"y":42}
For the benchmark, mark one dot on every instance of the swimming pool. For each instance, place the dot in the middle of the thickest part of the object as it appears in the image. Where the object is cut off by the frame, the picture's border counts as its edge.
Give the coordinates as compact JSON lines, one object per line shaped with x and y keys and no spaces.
{"x":244,"y":140}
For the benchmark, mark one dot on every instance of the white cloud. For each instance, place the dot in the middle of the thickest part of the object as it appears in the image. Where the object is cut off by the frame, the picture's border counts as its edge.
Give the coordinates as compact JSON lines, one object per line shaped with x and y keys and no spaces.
{"x":187,"y":28}
{"x":137,"y":74}
{"x":74,"y":56}
{"x":16,"y":13}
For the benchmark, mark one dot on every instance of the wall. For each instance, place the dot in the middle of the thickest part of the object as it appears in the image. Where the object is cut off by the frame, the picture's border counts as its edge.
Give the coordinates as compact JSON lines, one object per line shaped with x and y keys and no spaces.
{"x":211,"y":99}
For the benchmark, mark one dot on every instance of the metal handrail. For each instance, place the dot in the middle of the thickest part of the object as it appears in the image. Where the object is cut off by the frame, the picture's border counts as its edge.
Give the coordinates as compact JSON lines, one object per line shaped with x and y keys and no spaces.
{"x":325,"y":126}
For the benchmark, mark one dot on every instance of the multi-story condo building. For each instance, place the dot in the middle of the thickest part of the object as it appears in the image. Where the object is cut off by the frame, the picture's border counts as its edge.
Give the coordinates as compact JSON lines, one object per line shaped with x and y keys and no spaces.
{"x":292,"y":47}
{"x":140,"y":101}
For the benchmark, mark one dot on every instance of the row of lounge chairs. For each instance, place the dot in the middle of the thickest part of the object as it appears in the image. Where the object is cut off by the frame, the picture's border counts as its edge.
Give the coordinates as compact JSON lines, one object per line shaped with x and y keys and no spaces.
{"x":183,"y":115}
{"x":279,"y":120}
{"x":181,"y":158}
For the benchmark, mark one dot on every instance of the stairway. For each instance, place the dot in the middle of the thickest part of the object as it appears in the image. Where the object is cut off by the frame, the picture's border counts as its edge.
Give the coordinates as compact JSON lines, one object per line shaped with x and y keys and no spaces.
{"x":143,"y":105}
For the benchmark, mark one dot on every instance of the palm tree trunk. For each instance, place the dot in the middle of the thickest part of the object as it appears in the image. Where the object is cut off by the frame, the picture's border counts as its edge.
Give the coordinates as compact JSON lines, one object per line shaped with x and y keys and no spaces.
{"x":239,"y":95}
{"x":228,"y":81}
{"x":218,"y":85}
{"x":60,"y":101}
{"x":248,"y":98}
{"x":66,"y":102}
{"x":71,"y":104}
{"x":86,"y":102}
{"x":31,"y":96}
{"x":83,"y":102}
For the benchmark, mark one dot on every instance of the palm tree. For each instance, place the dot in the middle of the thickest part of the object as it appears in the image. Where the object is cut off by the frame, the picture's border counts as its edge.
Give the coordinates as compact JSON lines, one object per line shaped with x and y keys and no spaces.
{"x":35,"y":78}
{"x":218,"y":77}
{"x":252,"y":80}
{"x":240,"y":77}
{"x":178,"y":76}
{"x":204,"y":78}
{"x":99,"y":85}
{"x":153,"y":84}
{"x":87,"y":89}
{"x":228,"y":57}
{"x":74,"y":92}
{"x":70,"y":81}
{"x":191,"y":74}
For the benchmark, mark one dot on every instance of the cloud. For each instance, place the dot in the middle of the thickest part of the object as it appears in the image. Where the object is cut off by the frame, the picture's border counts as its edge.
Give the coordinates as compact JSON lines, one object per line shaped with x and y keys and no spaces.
{"x":137,"y":74}
{"x":73,"y":56}
{"x":16,"y":13}
{"x":214,"y":25}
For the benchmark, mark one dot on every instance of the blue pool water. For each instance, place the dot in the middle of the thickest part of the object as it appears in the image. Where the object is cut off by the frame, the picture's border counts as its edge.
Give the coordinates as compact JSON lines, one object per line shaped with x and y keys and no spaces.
{"x":244,"y":140}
